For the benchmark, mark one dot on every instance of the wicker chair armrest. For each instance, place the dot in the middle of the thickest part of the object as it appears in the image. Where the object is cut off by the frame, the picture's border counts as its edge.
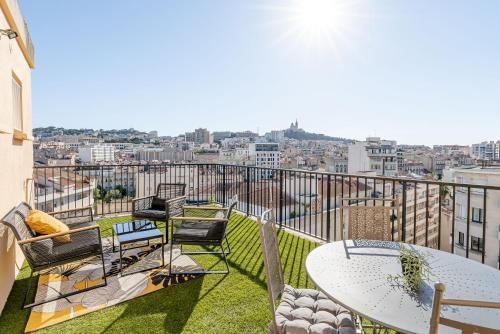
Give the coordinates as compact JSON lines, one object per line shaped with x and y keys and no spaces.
{"x":142,"y":203}
{"x":53,"y":235}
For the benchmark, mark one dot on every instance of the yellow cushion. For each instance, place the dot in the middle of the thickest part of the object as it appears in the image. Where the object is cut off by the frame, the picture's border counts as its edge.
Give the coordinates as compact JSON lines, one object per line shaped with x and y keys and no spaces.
{"x":43,"y":223}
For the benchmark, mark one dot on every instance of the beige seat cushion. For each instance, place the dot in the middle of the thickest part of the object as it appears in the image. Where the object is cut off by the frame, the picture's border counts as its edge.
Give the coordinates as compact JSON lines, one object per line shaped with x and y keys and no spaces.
{"x":307,"y":311}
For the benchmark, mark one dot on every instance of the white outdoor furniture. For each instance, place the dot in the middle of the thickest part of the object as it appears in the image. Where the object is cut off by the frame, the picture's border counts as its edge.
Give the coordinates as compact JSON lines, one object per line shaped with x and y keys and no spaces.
{"x":355,"y":274}
{"x":296,"y":311}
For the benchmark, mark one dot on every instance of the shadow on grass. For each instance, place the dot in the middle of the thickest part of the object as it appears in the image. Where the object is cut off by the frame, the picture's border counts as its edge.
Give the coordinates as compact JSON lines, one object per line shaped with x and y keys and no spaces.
{"x":174,"y":304}
{"x":171,"y":308}
{"x":246,"y":254}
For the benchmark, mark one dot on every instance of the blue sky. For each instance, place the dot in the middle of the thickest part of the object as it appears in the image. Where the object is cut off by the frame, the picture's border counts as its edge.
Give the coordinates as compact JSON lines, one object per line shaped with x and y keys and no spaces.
{"x":414,"y":71}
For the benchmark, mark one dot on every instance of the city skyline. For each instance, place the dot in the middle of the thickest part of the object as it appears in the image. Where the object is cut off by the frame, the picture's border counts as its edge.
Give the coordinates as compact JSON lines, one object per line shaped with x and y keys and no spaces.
{"x":240,"y":66}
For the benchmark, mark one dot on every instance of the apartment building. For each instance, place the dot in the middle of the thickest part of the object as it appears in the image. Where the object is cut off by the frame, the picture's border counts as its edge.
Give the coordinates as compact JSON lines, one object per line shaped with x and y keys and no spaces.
{"x":96,"y":153}
{"x":486,"y":150}
{"x":16,"y":141}
{"x":164,"y":154}
{"x":337,"y":165}
{"x":63,"y":190}
{"x":264,"y":155}
{"x":478,"y":220}
{"x":108,"y":177}
{"x":236,"y":156}
{"x":422,"y":215}
{"x":375,"y":155}
{"x":275,"y":136}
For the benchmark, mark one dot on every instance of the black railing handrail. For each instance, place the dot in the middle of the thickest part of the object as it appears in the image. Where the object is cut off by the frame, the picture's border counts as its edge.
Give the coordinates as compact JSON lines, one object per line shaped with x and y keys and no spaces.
{"x":399,"y":179}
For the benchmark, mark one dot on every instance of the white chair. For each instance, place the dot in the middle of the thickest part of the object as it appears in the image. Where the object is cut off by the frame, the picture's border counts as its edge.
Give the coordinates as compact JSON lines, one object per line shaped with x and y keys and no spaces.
{"x":299,"y":311}
{"x":437,"y":319}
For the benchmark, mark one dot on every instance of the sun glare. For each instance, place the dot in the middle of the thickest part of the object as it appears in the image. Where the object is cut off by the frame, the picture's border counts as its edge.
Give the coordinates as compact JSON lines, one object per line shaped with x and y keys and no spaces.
{"x":316,"y":24}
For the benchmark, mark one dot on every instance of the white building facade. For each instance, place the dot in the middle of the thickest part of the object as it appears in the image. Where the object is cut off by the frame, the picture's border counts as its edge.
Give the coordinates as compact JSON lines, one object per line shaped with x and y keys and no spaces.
{"x":472,"y":241}
{"x":486,"y":150}
{"x":264,"y":155}
{"x":97,"y":153}
{"x":373,"y":155}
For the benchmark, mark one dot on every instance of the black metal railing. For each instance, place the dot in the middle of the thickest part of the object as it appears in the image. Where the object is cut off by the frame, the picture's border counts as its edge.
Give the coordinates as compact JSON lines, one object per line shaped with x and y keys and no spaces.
{"x":304,"y":201}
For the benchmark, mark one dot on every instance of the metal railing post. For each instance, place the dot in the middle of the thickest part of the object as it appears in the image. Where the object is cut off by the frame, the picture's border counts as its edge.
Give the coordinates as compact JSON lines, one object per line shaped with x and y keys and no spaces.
{"x":328,"y":204}
{"x":248,"y":190}
{"x":403,"y":219}
{"x":224,"y":185}
{"x":281,"y":198}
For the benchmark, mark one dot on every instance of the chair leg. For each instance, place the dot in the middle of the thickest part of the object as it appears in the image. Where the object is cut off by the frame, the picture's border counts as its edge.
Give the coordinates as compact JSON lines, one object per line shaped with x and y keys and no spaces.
{"x":224,"y":255}
{"x":60,"y":296}
{"x":104,"y":276}
{"x":24,"y":306}
{"x":228,"y":245}
{"x":221,"y":252}
{"x":170,"y":262}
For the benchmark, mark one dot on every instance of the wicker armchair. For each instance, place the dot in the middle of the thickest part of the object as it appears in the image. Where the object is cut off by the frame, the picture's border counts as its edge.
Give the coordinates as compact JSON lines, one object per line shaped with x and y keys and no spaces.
{"x":296,"y":310}
{"x":44,"y":252}
{"x":154,"y":207}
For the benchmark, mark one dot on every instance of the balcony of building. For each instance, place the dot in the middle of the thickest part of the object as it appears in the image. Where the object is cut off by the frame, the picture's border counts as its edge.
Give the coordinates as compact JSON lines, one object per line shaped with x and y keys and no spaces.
{"x":307,"y":209}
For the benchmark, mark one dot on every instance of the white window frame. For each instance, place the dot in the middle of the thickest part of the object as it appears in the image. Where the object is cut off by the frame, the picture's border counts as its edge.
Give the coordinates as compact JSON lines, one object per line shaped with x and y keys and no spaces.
{"x":17,"y":103}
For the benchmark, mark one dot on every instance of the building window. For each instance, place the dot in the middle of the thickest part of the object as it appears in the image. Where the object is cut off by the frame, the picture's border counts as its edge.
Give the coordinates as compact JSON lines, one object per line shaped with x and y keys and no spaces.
{"x":461,"y":238}
{"x":17,"y":103}
{"x":476,"y":244}
{"x":477,"y":215}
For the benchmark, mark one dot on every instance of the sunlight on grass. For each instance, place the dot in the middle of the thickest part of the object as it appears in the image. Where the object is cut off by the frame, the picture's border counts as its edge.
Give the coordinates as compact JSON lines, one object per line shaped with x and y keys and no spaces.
{"x":235,"y":303}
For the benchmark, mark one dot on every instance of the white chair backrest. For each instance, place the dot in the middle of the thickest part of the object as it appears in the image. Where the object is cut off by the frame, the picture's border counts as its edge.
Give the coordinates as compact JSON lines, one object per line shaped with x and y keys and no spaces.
{"x":437,"y":319}
{"x":272,"y":262}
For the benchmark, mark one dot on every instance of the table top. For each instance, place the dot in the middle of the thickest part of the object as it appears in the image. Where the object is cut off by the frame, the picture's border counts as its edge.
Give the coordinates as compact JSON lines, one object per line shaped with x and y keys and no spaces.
{"x":355,"y":274}
{"x":136,"y":230}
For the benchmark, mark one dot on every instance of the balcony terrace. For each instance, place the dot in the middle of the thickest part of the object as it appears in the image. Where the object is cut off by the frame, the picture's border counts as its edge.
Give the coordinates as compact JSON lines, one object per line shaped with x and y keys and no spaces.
{"x":307,"y":208}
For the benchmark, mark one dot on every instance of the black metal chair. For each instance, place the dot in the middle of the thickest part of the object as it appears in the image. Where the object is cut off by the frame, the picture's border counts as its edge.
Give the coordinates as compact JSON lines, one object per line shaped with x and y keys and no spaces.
{"x":43,"y":252}
{"x":153,"y":207}
{"x":208,"y":211}
{"x":202,"y":231}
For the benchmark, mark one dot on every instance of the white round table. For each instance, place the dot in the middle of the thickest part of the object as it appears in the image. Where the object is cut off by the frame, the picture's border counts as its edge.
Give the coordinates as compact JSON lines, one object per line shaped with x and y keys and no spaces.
{"x":355,"y":274}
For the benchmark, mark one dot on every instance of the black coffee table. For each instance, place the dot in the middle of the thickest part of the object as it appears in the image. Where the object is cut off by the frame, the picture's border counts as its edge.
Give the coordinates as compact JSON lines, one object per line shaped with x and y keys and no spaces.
{"x":136,"y":232}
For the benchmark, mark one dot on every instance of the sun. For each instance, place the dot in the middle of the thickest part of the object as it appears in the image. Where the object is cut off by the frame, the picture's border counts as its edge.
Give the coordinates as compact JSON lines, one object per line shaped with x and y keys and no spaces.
{"x":316,"y":24}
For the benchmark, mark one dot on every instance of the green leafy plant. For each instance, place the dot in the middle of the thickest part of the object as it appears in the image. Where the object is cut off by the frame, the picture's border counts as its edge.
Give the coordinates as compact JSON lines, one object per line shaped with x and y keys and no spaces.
{"x":414,"y":268}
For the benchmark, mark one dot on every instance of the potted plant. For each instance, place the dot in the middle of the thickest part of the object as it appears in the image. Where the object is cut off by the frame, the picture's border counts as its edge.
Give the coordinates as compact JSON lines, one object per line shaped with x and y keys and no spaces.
{"x":414,"y":268}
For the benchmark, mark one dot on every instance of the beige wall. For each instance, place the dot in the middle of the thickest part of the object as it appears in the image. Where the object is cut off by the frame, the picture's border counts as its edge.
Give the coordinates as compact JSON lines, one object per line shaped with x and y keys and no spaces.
{"x":16,"y":155}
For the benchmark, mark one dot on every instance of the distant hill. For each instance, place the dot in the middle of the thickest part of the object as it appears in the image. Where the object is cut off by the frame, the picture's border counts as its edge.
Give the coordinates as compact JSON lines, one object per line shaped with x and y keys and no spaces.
{"x":51,"y":131}
{"x":300,"y":134}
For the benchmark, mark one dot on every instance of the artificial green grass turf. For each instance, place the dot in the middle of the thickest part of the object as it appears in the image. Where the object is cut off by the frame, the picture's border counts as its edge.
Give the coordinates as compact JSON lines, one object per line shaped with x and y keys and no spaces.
{"x":234,"y":303}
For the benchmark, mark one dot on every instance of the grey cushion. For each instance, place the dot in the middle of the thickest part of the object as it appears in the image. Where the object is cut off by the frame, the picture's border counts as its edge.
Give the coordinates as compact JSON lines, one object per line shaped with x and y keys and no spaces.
{"x":199,"y":231}
{"x":84,"y":243}
{"x":150,"y":213}
{"x":158,"y":204}
{"x":307,"y":311}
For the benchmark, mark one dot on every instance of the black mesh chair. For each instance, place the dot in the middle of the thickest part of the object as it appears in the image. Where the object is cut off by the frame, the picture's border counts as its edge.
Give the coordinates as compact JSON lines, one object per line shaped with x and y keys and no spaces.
{"x":44,"y":252}
{"x":154,"y":207}
{"x":202,"y":231}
